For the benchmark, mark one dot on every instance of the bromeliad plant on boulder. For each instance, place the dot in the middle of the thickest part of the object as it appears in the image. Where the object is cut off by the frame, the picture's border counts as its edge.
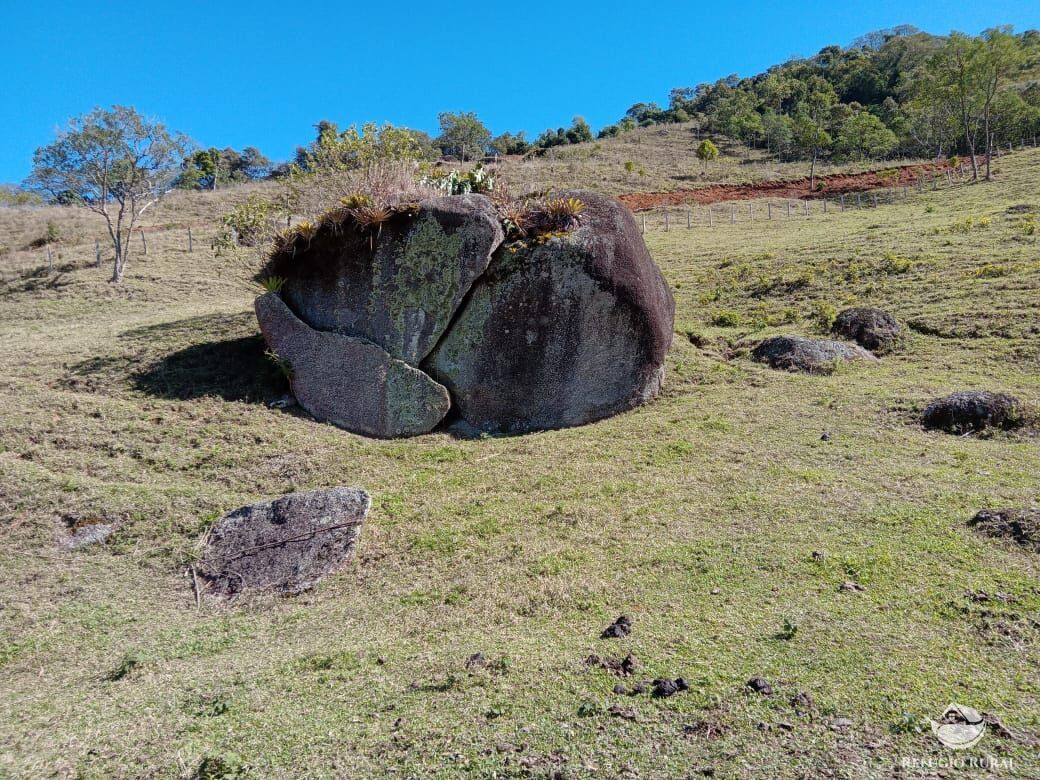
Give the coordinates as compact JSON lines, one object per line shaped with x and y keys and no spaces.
{"x":395,"y":317}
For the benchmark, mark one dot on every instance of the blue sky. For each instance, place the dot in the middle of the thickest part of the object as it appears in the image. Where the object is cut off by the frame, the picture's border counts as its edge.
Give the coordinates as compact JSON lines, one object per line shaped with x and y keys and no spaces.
{"x":262,"y":73}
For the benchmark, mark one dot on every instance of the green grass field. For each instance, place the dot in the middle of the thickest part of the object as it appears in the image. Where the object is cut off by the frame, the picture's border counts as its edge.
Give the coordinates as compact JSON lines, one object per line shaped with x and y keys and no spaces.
{"x":697,"y":515}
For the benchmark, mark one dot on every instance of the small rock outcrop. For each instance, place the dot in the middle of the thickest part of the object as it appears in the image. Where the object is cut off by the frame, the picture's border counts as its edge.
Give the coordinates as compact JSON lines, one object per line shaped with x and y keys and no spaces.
{"x":1021,"y":526}
{"x":350,"y":382}
{"x":384,"y":328}
{"x":975,"y":410}
{"x":809,"y":356}
{"x":286,"y":545}
{"x":873,"y":329}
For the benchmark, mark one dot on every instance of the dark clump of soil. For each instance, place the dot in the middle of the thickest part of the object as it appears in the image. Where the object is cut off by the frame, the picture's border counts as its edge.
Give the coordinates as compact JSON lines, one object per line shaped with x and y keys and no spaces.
{"x":873,"y":329}
{"x":663,"y":687}
{"x":1021,"y":526}
{"x":974,"y":411}
{"x":619,"y":628}
{"x":758,"y":685}
{"x":809,"y":356}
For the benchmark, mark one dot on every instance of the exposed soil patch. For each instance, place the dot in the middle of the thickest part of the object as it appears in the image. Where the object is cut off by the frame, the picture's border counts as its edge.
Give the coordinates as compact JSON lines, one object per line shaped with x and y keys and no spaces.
{"x":1021,"y":526}
{"x":827,"y":186}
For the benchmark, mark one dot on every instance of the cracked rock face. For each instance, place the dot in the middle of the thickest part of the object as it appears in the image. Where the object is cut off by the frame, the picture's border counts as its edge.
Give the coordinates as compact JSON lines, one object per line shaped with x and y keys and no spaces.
{"x":286,"y":545}
{"x":385,"y":331}
{"x":399,"y":289}
{"x":349,"y":382}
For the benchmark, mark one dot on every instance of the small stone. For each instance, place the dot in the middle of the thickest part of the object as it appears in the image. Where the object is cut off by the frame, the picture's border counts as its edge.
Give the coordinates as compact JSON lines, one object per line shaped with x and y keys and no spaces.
{"x":716,"y":591}
{"x":825,"y":437}
{"x":818,"y":555}
{"x":620,"y":689}
{"x":285,"y":402}
{"x":758,"y":685}
{"x":840,"y":724}
{"x":852,"y":587}
{"x":476,"y":661}
{"x":627,"y":713}
{"x":381,"y":660}
{"x":802,"y":701}
{"x":87,"y":533}
{"x":784,"y":726}
{"x":682,"y":684}
{"x":619,"y":628}
{"x":638,"y":689}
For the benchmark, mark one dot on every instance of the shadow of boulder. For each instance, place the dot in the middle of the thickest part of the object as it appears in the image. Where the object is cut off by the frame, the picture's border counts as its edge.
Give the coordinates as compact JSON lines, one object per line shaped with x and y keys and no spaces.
{"x":235,"y":370}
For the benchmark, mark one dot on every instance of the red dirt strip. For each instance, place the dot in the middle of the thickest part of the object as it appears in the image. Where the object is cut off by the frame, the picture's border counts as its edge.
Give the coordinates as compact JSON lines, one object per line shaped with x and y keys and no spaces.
{"x":792,"y":188}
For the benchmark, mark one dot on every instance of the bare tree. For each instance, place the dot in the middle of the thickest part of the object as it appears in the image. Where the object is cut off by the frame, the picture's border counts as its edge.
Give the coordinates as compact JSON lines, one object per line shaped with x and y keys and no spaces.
{"x":116,"y":163}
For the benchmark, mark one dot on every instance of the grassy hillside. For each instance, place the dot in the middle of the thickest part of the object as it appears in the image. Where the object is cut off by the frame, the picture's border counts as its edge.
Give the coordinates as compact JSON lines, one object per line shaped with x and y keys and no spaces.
{"x":664,"y":154}
{"x":715,"y":517}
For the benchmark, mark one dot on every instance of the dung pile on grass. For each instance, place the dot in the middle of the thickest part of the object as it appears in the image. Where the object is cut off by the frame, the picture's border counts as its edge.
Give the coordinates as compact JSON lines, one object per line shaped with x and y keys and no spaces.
{"x":389,"y":319}
{"x":1021,"y":526}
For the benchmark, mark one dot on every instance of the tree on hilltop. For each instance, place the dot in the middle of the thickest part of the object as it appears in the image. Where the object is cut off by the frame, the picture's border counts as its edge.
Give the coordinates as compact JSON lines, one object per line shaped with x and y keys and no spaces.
{"x":463,"y":135}
{"x":114,"y":162}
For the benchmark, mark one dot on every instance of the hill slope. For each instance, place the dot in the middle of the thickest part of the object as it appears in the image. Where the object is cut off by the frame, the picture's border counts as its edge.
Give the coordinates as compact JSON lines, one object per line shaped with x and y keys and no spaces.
{"x":698,"y":516}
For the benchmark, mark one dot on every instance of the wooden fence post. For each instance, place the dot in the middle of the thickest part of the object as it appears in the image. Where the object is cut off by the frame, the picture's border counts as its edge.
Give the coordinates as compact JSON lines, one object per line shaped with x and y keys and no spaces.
{"x":788,"y":209}
{"x":644,"y":224}
{"x":859,"y":200}
{"x":711,"y":221}
{"x":843,"y":201}
{"x":666,"y":220}
{"x":97,"y":253}
{"x":875,"y":200}
{"x":144,"y":244}
{"x":769,"y":209}
{"x":805,"y":206}
{"x":687,"y":219}
{"x":189,"y":240}
{"x":751,"y":210}
{"x":732,"y":215}
{"x":50,"y":261}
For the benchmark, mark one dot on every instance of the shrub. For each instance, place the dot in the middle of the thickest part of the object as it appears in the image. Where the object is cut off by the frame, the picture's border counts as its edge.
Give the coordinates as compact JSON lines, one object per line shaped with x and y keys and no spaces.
{"x":893,"y":264}
{"x":727,"y":318}
{"x":249,"y":224}
{"x":824,"y":314}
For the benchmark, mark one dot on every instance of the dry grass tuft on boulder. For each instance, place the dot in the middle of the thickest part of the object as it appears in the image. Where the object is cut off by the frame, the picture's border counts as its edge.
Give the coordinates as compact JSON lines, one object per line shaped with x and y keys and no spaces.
{"x":1021,"y":526}
{"x":808,"y":356}
{"x":975,"y":410}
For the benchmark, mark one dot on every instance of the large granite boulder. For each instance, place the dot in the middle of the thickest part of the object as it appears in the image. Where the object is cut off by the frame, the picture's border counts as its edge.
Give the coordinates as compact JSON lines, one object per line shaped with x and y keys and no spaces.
{"x":400,"y":288}
{"x":349,"y":382}
{"x":283,"y":546}
{"x":380,"y":325}
{"x":562,"y":331}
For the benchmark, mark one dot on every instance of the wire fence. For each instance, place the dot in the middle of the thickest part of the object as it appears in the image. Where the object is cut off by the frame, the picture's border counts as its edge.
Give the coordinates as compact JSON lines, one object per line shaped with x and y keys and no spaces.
{"x":771,"y":209}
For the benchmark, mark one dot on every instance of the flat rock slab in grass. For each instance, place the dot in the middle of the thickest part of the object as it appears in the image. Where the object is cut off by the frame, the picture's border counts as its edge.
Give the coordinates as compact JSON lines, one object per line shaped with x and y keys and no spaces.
{"x":809,"y":356}
{"x":560,"y":330}
{"x":974,"y":411}
{"x":349,"y":382}
{"x":873,"y":329}
{"x":398,"y":289}
{"x":1021,"y":526}
{"x":284,"y":546}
